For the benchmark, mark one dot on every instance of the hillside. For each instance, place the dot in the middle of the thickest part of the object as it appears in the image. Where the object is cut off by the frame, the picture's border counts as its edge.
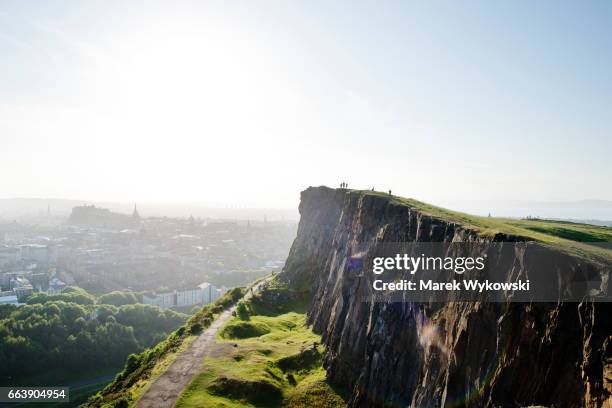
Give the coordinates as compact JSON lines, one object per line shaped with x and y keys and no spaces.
{"x":450,"y":354}
{"x":309,"y":339}
{"x":265,"y":356}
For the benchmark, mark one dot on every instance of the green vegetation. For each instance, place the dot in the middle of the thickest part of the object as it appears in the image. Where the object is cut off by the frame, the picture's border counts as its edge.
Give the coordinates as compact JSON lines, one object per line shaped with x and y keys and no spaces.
{"x":70,"y":336}
{"x":142,"y":369}
{"x":577,"y":239}
{"x":79,"y":395}
{"x":119,"y":298}
{"x":244,"y":330}
{"x":280,"y":366}
{"x":70,"y":295}
{"x":569,"y":230}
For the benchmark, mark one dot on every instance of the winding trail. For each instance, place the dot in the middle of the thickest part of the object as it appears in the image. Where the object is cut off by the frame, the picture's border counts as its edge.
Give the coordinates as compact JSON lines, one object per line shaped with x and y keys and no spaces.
{"x":166,"y":389}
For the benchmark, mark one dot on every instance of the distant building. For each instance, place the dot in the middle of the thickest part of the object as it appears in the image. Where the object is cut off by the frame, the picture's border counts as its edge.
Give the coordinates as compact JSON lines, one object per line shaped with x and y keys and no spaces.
{"x":7,"y":277}
{"x":8,"y":298}
{"x":163,"y":300}
{"x":92,"y":216}
{"x":189,"y":297}
{"x":56,"y":287}
{"x":201,"y":295}
{"x":40,"y":281}
{"x":210,"y":293}
{"x":36,"y":252}
{"x":21,"y":287}
{"x":9,"y":255}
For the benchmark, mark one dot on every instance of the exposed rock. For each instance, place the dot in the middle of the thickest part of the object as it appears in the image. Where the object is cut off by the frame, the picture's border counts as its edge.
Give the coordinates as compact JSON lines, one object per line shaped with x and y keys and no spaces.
{"x":425,"y":354}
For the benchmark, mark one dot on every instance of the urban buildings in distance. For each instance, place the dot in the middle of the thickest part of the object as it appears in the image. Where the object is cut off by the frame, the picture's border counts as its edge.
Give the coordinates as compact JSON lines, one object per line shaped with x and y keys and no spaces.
{"x":165,"y":259}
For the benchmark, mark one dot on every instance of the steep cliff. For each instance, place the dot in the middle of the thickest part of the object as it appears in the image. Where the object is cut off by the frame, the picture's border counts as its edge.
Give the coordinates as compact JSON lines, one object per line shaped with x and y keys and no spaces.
{"x":441,"y":354}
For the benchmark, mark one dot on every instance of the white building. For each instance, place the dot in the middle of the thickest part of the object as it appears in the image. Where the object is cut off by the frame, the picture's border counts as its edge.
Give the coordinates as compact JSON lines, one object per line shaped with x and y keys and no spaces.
{"x":210,"y":293}
{"x":21,"y":287}
{"x":8,"y":298}
{"x":203,"y":294}
{"x":56,"y":287}
{"x":163,"y":300}
{"x":189,"y":297}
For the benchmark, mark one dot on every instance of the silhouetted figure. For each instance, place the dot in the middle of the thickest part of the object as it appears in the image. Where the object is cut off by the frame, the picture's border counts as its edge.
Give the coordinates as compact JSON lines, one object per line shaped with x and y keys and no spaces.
{"x":389,"y":192}
{"x":372,"y":188}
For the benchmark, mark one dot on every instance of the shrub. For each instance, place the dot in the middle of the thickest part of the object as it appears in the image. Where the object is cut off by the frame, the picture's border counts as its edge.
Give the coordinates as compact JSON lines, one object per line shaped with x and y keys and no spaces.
{"x":121,"y":403}
{"x":243,"y":330}
{"x":242,"y":311}
{"x":195,"y":328}
{"x":118,"y":298}
{"x":259,"y":392}
{"x":132,"y":363}
{"x":291,"y":379}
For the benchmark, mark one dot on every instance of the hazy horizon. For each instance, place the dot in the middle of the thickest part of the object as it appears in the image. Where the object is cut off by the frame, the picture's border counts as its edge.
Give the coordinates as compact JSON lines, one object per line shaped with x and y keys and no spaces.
{"x":579,"y":210}
{"x":249,"y":103}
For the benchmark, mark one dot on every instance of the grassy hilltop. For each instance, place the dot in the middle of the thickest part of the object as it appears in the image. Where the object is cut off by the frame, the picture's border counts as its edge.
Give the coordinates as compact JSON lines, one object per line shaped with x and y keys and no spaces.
{"x":590,"y":241}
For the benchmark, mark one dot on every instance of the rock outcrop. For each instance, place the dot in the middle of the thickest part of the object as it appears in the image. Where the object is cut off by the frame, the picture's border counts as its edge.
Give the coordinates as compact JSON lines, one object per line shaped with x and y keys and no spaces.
{"x":459,"y":354}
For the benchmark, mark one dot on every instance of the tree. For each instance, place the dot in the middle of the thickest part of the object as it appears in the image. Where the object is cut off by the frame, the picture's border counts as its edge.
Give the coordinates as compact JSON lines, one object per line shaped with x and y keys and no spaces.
{"x":118,"y":298}
{"x":60,"y":335}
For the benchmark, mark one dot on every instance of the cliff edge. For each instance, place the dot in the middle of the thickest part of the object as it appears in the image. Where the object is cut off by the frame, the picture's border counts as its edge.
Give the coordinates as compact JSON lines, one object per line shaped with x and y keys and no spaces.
{"x":456,"y":354}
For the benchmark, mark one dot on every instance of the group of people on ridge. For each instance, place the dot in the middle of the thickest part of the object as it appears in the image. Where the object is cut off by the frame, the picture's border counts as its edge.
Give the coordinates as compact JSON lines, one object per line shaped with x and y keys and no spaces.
{"x":345,"y":185}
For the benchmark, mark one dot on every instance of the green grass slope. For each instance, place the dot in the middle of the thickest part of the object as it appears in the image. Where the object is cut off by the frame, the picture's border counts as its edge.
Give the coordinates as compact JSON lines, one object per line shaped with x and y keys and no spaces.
{"x":589,"y":241}
{"x":281,"y":366}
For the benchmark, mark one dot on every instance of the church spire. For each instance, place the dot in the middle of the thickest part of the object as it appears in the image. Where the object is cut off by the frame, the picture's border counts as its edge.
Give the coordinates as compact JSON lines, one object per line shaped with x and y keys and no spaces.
{"x":135,"y":214}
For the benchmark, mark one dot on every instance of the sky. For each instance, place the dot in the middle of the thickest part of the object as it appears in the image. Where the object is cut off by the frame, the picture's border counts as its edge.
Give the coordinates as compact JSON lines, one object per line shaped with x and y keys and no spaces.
{"x":247,"y":103}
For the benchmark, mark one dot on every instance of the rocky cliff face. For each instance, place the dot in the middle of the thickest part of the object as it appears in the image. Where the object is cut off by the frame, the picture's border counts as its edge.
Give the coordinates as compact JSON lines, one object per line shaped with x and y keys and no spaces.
{"x":397,"y":354}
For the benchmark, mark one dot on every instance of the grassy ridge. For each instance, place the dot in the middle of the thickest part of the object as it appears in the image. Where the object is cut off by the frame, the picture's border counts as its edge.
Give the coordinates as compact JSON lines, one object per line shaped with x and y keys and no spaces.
{"x":279,"y":366}
{"x":589,"y":241}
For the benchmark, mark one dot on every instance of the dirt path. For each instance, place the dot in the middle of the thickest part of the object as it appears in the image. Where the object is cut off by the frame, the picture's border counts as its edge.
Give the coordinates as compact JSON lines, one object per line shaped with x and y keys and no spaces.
{"x":164,"y":392}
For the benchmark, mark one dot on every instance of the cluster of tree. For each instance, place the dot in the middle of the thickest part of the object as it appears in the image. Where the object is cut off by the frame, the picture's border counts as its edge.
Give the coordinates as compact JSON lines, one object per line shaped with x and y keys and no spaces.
{"x":68,"y":333}
{"x":71,"y":295}
{"x":119,"y":298}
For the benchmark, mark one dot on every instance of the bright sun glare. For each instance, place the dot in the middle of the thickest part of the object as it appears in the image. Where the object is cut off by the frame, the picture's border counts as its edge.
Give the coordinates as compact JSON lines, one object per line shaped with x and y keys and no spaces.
{"x":207,"y":99}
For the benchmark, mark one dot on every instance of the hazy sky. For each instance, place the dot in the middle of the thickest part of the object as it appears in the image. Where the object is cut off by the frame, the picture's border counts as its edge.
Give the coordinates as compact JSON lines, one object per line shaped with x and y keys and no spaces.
{"x":250,"y":102}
